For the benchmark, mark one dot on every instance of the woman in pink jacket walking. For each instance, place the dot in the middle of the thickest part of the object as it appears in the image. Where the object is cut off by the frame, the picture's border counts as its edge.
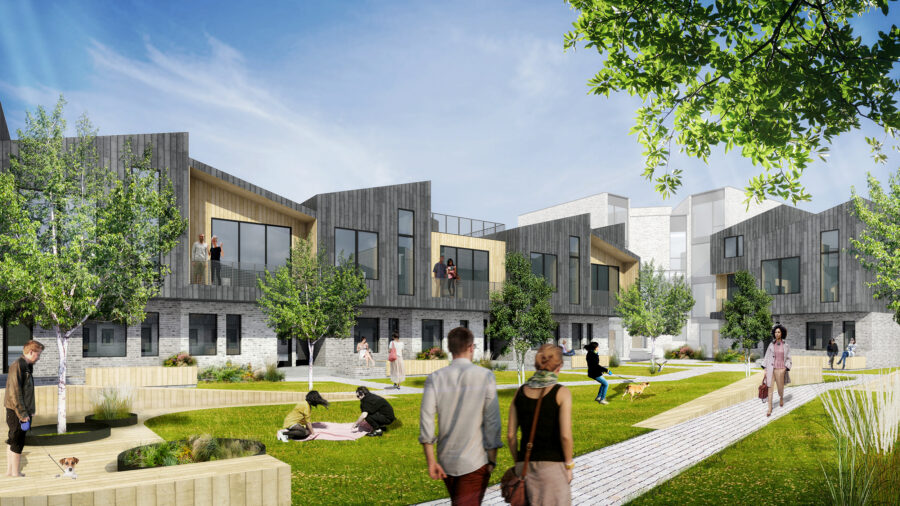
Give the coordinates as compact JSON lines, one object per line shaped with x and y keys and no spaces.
{"x":777,"y":364}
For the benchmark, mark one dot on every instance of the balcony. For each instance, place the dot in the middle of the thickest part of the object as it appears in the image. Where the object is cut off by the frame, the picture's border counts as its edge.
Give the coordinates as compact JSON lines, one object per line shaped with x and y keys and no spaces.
{"x":446,"y":224}
{"x":241,"y":274}
{"x":604,"y":298}
{"x":463,"y":289}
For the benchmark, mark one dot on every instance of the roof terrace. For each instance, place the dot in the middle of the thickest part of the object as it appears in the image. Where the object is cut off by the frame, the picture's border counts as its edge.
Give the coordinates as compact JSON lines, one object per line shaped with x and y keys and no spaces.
{"x":456,"y":225}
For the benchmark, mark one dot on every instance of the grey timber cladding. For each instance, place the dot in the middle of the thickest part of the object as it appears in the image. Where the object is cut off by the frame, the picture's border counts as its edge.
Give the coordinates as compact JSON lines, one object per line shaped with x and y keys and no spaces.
{"x":240,"y":183}
{"x":787,"y":232}
{"x":613,"y":234}
{"x":4,"y":129}
{"x":553,"y":237}
{"x":169,"y":153}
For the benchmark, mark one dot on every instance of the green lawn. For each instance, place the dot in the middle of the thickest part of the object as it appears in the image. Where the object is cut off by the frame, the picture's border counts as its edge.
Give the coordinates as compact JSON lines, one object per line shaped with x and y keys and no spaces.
{"x":644,"y":370}
{"x":674,"y":364}
{"x":503,"y":378}
{"x":280,"y":386}
{"x":863,"y":371}
{"x":390,"y":469}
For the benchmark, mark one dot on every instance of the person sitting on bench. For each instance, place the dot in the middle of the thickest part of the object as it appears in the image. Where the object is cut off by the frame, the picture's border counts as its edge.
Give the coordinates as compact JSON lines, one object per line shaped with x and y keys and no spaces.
{"x":375,"y":411}
{"x":565,"y":349}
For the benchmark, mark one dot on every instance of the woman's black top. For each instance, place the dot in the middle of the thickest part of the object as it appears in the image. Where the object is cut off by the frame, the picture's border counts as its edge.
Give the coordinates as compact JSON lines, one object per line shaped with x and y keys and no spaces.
{"x":547,"y":442}
{"x":215,"y":253}
{"x":832,"y":347}
{"x":594,"y":367}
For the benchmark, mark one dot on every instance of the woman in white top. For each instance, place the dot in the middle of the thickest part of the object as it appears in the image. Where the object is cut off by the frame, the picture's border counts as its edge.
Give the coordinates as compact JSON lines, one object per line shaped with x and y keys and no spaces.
{"x":363,"y":348}
{"x":849,"y":351}
{"x":398,"y":375}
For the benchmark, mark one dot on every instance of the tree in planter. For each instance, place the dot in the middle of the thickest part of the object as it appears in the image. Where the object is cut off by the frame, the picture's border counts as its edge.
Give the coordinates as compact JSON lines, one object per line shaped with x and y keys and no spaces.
{"x":310,"y":298}
{"x":748,"y":319}
{"x":654,"y":306}
{"x":520,"y":312}
{"x":776,"y":79}
{"x":77,"y":241}
{"x":878,"y":246}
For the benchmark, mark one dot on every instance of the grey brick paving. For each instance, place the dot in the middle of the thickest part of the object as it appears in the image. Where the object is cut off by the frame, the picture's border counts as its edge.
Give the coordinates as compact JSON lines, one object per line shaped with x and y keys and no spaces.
{"x":618,"y":473}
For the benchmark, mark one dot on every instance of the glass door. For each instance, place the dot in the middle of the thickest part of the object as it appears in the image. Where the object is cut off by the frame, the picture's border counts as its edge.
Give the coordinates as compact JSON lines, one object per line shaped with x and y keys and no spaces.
{"x":15,"y":337}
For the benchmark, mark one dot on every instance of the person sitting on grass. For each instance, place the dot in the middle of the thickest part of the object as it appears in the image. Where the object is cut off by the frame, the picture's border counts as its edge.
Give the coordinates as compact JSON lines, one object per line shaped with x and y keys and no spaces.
{"x":298,"y":423}
{"x":596,"y":371}
{"x":375,"y":411}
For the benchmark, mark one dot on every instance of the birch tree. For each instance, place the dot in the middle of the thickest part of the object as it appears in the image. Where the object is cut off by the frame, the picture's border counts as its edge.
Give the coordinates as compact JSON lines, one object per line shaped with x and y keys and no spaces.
{"x":520,"y":312}
{"x":748,"y":319}
{"x":78,"y":242}
{"x":310,"y":298}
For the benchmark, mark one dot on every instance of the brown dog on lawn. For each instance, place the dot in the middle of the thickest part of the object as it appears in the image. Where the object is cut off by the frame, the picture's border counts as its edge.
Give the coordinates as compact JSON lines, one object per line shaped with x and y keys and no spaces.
{"x":635,"y":389}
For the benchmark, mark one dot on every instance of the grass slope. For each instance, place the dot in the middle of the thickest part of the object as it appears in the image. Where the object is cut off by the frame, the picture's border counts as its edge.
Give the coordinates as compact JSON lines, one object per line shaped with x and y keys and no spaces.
{"x":390,"y":469}
{"x":280,"y":386}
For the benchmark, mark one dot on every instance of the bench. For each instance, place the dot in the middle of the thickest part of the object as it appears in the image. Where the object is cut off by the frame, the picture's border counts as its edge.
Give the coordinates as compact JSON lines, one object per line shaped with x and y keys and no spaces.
{"x":806,"y":370}
{"x":580,"y":361}
{"x":418,"y":367}
{"x":145,"y":376}
{"x":856,"y":362}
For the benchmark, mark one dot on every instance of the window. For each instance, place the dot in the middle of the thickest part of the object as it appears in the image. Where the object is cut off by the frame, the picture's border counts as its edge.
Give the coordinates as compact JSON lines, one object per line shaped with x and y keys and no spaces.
{"x":432,"y":334}
{"x":233,"y":334}
{"x":471,"y":265}
{"x":705,"y":299}
{"x":576,"y":336}
{"x":781,"y":276}
{"x":732,"y":287}
{"x":405,"y":259}
{"x":817,"y":335}
{"x":849,"y":332}
{"x":574,"y":270}
{"x":368,"y":328}
{"x":734,"y":246}
{"x":358,"y":247}
{"x":604,"y":284}
{"x":830,"y":269}
{"x":103,"y":339}
{"x":393,"y":327}
{"x":15,"y":337}
{"x":252,"y":243}
{"x":464,"y":324}
{"x":678,"y":243}
{"x":150,"y":335}
{"x":202,"y":335}
{"x":590,"y":332}
{"x":700,"y":260}
{"x":544,"y":265}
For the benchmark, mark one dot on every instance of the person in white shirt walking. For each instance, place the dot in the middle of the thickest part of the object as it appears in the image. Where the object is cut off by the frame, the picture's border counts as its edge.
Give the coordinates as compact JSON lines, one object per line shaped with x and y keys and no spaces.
{"x":199,"y":256}
{"x":464,"y":398}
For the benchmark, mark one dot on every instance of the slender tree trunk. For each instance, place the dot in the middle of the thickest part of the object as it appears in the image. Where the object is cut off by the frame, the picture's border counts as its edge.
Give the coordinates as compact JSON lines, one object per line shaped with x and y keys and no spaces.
{"x":653,"y":353}
{"x":63,"y":344}
{"x":311,"y":345}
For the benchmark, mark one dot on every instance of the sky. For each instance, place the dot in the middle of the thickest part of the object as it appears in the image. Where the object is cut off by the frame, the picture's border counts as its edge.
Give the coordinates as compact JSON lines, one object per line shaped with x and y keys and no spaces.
{"x":310,"y":97}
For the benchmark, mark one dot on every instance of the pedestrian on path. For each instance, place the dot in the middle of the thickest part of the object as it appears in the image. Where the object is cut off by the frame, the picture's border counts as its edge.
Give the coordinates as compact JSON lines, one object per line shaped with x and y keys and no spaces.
{"x":777,"y":364}
{"x":464,"y":398}
{"x":19,"y":402}
{"x":596,"y":371}
{"x":832,"y":352}
{"x":395,"y":357}
{"x":848,"y":352}
{"x":550,"y":463}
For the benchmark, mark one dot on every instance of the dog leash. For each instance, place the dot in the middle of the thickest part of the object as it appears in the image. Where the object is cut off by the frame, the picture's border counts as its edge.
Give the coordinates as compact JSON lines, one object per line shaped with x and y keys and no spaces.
{"x":55,"y":462}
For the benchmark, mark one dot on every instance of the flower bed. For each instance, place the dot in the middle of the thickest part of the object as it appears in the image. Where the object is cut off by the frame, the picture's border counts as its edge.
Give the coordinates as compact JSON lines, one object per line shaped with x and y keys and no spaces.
{"x":187,"y":451}
{"x":130,"y":419}
{"x":46,"y":435}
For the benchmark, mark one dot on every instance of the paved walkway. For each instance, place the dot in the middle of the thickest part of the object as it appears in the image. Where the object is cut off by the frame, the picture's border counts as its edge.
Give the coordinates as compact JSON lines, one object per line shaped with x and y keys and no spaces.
{"x":621,"y":472}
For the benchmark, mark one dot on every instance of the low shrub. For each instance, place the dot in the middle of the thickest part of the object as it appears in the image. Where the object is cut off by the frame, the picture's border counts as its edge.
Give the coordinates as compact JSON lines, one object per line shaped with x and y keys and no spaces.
{"x":728,"y":356}
{"x":614,"y":360}
{"x":181,"y":359}
{"x":670,"y":353}
{"x":196,"y":448}
{"x":272,"y":373}
{"x":698,"y":354}
{"x":432,"y":354}
{"x":228,"y":373}
{"x":113,"y":403}
{"x":680,"y":353}
{"x":754,"y":357}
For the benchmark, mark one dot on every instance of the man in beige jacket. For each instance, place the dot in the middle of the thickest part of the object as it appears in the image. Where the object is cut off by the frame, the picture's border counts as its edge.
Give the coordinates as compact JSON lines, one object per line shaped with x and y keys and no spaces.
{"x":19,"y":402}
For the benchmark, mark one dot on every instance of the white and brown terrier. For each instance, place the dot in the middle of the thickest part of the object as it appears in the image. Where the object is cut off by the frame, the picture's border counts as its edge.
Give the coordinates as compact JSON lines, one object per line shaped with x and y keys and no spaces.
{"x":68,"y":465}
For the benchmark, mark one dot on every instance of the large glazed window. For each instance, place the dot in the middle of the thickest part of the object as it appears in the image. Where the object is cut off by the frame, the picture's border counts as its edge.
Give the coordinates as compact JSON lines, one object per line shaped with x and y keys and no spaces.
{"x":150,"y":335}
{"x":359,"y":248}
{"x":368,"y":328}
{"x":432,"y":334}
{"x":817,"y":335}
{"x":202,"y":334}
{"x":678,"y":243}
{"x":471,"y":264}
{"x":252,"y":244}
{"x":604,"y":284}
{"x":405,"y":257}
{"x":781,"y":276}
{"x":278,"y":246}
{"x":830,"y":273}
{"x":574,"y":270}
{"x":233,"y":334}
{"x":849,"y":332}
{"x":544,"y":265}
{"x":103,"y":339}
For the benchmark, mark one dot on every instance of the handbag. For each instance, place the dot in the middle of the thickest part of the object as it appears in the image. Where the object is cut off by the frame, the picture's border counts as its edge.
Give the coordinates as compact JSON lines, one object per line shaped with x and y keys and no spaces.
{"x":392,"y":354}
{"x":512,"y":486}
{"x":764,"y":391}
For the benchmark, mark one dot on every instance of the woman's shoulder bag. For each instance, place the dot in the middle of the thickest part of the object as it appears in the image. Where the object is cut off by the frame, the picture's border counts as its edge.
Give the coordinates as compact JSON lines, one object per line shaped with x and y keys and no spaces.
{"x":512,"y":486}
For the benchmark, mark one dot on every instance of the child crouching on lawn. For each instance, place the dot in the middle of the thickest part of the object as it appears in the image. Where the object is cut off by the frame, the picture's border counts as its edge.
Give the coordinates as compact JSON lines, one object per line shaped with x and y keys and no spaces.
{"x":298,"y":423}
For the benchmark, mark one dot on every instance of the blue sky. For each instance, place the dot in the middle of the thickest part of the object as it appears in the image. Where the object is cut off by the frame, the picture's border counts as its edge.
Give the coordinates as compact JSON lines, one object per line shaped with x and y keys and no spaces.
{"x":303,"y":98}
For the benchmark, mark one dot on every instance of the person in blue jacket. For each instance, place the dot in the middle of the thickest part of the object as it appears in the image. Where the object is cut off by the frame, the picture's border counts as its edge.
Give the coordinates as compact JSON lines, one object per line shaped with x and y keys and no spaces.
{"x":596,"y":371}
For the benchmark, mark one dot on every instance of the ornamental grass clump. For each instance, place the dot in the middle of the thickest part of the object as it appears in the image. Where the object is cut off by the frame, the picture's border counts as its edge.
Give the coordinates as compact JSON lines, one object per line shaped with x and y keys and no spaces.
{"x":113,"y":403}
{"x":864,"y":424}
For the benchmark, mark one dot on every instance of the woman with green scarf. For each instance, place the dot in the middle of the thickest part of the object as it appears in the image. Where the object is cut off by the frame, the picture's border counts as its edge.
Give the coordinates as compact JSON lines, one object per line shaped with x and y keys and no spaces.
{"x":550,"y":464}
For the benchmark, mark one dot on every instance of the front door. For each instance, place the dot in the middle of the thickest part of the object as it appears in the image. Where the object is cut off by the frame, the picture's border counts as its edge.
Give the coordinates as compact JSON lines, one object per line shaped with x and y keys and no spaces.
{"x":14,"y":339}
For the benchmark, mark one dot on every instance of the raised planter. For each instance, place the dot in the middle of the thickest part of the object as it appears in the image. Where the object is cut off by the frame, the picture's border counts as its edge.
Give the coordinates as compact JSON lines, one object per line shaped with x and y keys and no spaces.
{"x":121,"y":465}
{"x":84,"y":433}
{"x":419,"y":367}
{"x":131,"y":419}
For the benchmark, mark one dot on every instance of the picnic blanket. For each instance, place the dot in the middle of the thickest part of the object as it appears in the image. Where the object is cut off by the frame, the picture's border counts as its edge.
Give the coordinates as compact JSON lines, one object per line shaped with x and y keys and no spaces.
{"x":330,"y":431}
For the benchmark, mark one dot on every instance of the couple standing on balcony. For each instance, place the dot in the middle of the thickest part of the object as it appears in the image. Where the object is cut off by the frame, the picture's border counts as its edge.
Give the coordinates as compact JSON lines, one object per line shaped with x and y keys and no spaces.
{"x":200,"y":254}
{"x":446,"y":271}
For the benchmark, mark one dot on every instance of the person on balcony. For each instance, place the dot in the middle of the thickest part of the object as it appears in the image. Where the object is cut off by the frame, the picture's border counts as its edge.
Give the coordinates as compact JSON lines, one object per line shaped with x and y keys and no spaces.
{"x":199,"y":256}
{"x":215,"y":257}
{"x":452,"y":276}
{"x":440,"y":274}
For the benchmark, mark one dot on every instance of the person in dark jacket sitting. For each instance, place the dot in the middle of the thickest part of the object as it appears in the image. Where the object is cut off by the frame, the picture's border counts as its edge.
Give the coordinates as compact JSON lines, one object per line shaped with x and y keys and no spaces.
{"x":375,"y":411}
{"x":832,"y":352}
{"x":596,"y":371}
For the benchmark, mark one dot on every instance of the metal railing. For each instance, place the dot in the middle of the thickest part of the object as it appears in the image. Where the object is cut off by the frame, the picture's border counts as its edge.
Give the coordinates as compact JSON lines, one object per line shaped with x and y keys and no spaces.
{"x":457,"y":225}
{"x":604,"y":298}
{"x":464,"y":289}
{"x":242,"y":274}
